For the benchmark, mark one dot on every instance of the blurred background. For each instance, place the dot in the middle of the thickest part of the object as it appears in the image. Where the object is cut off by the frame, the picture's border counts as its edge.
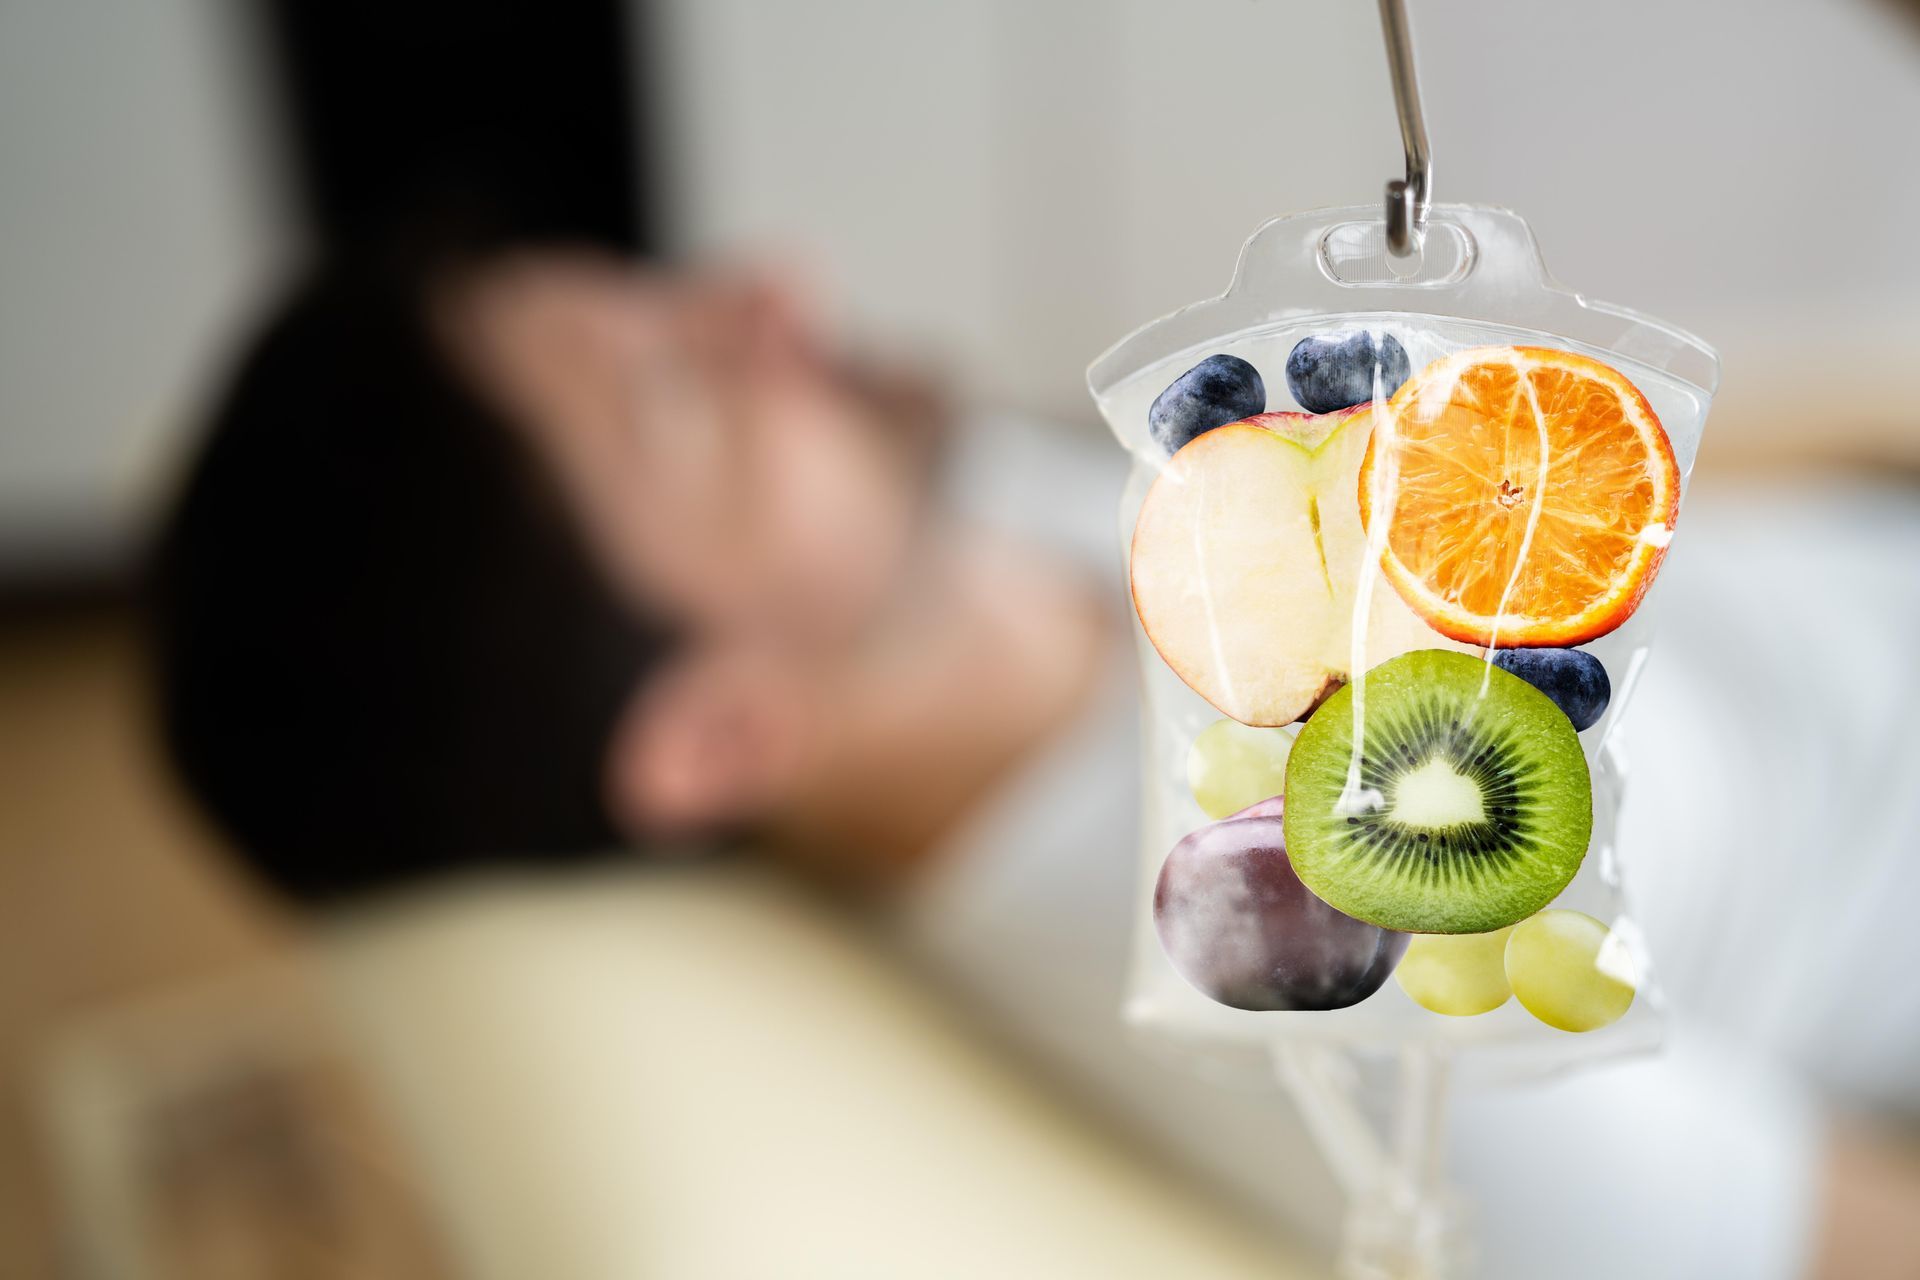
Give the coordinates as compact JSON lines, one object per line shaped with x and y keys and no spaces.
{"x":201,"y":1077}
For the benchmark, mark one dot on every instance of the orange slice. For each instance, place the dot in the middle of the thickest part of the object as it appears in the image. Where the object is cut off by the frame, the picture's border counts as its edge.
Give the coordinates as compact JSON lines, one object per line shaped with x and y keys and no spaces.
{"x":1530,"y":495}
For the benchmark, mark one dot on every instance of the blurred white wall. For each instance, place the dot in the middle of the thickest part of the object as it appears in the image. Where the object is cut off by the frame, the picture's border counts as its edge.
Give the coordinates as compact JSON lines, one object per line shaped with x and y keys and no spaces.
{"x":1020,"y":183}
{"x":138,"y":221}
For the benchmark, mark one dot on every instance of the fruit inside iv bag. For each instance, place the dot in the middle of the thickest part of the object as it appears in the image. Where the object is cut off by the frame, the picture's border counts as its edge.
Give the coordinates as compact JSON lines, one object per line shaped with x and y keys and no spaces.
{"x":1407,"y":565}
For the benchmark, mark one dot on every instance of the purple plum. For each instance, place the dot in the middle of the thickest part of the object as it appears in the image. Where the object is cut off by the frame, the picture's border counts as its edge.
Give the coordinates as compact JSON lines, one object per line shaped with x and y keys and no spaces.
{"x":1238,"y":924}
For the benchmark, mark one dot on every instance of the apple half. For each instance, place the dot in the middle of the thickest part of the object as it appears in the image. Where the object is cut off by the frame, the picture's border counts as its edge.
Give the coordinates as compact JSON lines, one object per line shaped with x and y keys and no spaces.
{"x":1247,"y":564}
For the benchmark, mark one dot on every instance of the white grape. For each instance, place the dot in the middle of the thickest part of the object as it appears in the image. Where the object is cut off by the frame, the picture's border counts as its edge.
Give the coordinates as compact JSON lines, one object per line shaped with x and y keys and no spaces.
{"x":1570,"y":971}
{"x":1233,"y":766}
{"x":1458,"y":974}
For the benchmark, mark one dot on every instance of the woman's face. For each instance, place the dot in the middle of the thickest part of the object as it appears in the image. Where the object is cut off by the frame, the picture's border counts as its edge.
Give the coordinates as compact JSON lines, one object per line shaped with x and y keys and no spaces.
{"x":728,"y":473}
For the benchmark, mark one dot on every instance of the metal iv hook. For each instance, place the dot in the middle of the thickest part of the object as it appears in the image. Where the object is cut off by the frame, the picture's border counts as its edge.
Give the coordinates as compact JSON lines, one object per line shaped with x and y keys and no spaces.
{"x":1407,"y":198}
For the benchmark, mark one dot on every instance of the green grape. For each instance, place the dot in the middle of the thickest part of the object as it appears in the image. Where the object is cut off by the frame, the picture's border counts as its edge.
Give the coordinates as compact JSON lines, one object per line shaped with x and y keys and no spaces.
{"x":1570,"y":971}
{"x":1233,"y":766}
{"x":1458,"y":974}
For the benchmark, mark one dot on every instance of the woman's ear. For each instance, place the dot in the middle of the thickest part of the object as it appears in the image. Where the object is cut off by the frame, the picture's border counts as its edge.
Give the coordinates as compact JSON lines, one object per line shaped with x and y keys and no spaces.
{"x":715,"y":740}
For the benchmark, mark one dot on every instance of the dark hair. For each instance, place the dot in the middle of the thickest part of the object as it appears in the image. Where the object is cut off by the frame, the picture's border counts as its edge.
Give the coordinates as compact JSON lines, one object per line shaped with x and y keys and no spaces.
{"x":381,"y":648}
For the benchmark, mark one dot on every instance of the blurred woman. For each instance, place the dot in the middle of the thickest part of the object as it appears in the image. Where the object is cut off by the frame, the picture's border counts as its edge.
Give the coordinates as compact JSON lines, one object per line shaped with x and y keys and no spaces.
{"x":534,"y":555}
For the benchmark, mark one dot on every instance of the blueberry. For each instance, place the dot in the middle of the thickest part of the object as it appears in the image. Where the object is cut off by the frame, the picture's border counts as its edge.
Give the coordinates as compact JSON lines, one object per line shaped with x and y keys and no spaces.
{"x":1575,"y":680}
{"x":1218,"y":390}
{"x":1328,"y":374}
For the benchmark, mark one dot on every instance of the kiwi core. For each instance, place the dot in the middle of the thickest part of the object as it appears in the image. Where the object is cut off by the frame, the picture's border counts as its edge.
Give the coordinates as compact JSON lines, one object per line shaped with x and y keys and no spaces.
{"x":1436,"y":796}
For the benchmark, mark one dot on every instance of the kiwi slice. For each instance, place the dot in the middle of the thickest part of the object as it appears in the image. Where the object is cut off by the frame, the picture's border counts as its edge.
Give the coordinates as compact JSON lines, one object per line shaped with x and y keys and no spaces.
{"x":1470,"y":807}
